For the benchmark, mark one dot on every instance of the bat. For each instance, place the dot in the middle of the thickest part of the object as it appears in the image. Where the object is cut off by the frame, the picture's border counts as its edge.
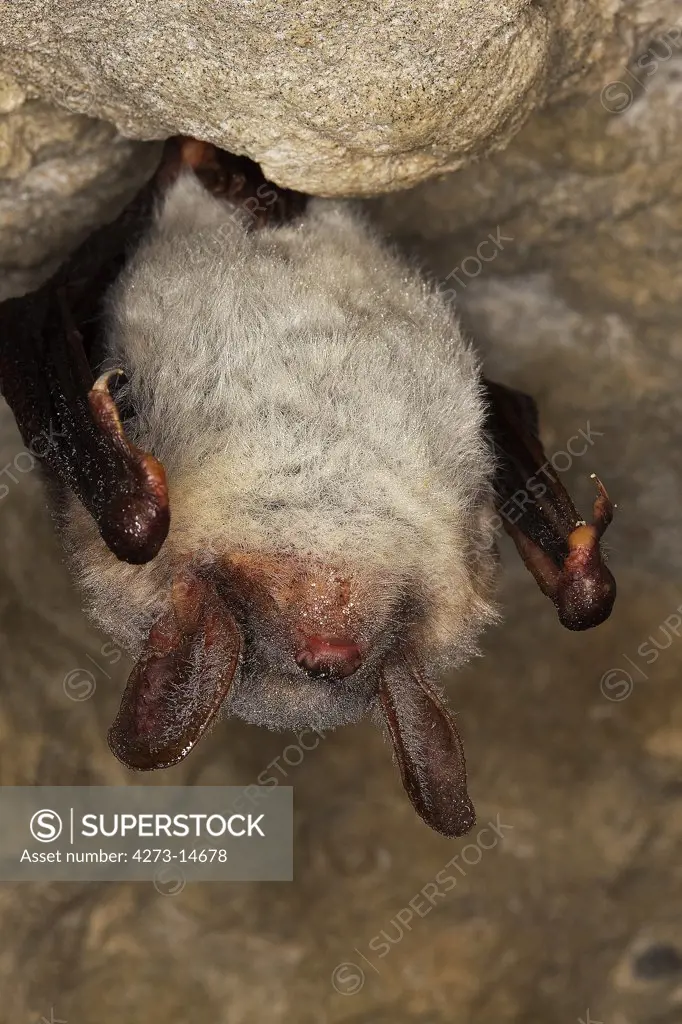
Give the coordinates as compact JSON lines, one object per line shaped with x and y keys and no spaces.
{"x":277,"y":464}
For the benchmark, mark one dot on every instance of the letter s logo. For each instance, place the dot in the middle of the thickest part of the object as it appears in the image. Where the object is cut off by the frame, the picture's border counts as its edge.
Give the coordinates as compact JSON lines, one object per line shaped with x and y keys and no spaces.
{"x":46,"y":826}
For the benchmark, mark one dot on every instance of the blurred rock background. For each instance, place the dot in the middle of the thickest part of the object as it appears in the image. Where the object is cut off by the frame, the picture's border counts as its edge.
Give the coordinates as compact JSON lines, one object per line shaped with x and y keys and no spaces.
{"x":573,"y":740}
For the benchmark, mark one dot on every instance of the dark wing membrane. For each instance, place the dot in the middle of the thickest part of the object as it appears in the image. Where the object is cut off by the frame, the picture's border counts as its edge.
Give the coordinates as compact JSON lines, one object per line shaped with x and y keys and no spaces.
{"x":50,"y":339}
{"x":46,"y":338}
{"x":559,"y":548}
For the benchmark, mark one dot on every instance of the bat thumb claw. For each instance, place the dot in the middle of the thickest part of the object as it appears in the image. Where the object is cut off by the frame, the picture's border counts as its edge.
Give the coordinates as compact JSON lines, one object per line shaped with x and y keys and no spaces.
{"x":134,"y":519}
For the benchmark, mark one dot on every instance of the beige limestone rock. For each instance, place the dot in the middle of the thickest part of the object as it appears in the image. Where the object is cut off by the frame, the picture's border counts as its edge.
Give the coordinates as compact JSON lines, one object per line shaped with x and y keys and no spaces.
{"x":592,"y":191}
{"x":575,"y":915}
{"x":344,"y":99}
{"x":60,"y":174}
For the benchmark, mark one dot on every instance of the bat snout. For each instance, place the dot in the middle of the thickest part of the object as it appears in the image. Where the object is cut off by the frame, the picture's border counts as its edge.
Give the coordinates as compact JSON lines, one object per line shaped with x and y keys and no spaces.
{"x":332,"y":657}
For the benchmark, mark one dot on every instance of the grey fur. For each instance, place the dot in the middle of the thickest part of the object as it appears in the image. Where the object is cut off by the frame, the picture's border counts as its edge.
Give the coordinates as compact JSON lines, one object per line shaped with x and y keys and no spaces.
{"x":309,"y":394}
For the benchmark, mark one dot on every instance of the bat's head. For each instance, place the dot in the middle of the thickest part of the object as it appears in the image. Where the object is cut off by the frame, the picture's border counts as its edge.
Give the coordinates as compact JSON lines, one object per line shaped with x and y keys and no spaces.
{"x":330,"y":551}
{"x":361,"y":605}
{"x":287,"y":640}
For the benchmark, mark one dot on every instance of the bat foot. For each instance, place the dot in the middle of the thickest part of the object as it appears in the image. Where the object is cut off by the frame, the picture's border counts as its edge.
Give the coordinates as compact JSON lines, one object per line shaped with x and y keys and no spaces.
{"x":235,"y":179}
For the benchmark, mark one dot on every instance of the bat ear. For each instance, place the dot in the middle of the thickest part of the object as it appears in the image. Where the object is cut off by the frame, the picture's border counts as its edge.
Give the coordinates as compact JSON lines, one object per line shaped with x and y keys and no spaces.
{"x":181,"y":679}
{"x":428,"y":751}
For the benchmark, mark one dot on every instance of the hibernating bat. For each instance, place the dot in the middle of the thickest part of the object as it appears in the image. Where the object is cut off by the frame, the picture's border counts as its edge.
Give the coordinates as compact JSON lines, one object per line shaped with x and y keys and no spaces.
{"x":285,"y":506}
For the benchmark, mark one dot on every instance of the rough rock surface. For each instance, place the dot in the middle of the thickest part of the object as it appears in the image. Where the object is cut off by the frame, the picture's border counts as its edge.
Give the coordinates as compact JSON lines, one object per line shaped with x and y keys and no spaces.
{"x":576,"y":908}
{"x":60,"y":173}
{"x":592,"y":188}
{"x":574,"y":740}
{"x":332,"y":100}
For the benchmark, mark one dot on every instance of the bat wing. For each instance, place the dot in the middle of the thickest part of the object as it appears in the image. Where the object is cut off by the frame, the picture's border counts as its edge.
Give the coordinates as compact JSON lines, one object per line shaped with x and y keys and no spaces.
{"x":559,"y":548}
{"x":48,"y":339}
{"x":51,"y":338}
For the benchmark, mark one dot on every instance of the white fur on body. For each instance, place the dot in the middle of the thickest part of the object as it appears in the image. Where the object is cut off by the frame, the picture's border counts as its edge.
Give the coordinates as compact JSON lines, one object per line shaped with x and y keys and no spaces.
{"x":308,"y":394}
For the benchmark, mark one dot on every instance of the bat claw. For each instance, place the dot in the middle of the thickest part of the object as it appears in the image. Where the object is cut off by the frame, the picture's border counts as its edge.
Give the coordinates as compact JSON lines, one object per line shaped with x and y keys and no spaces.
{"x":133,"y":521}
{"x":235,"y":179}
{"x":49,"y":338}
{"x":602,"y":510}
